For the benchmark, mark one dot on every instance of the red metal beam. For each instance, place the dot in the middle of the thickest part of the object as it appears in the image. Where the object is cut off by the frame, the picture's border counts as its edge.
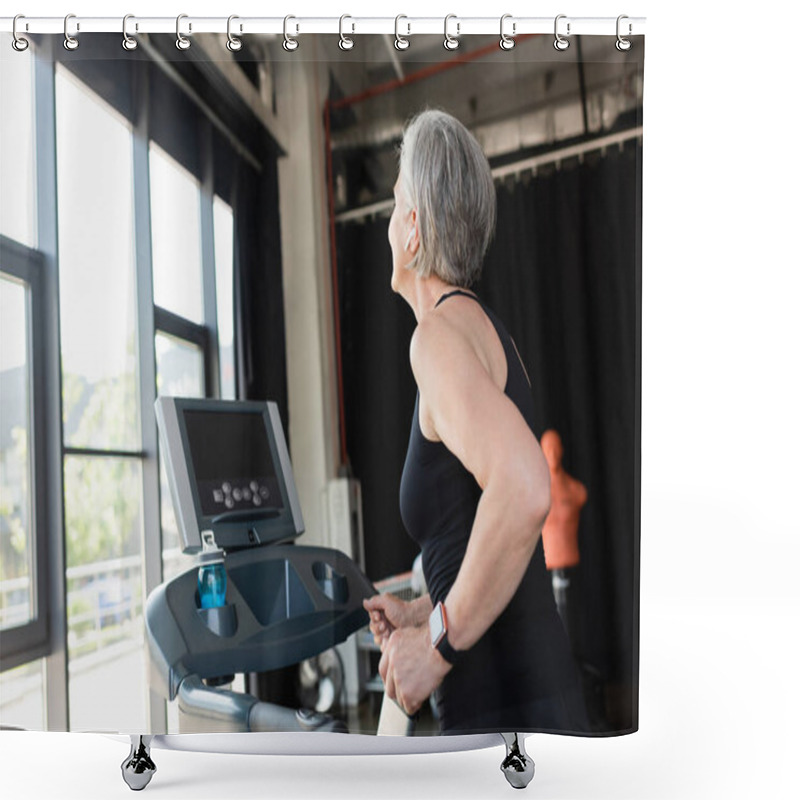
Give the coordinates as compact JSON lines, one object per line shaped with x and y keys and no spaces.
{"x":422,"y":74}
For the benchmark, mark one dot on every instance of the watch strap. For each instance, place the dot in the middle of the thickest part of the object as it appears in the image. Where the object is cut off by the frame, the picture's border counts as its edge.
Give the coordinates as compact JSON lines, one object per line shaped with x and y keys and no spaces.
{"x":447,"y":652}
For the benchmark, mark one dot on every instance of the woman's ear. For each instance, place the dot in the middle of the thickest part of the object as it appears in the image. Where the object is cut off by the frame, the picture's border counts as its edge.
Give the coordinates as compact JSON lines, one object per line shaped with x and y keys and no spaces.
{"x":412,"y":240}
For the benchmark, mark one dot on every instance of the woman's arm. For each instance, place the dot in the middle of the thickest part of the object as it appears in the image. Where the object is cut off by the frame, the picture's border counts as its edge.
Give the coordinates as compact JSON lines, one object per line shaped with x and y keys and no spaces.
{"x":483,"y":428}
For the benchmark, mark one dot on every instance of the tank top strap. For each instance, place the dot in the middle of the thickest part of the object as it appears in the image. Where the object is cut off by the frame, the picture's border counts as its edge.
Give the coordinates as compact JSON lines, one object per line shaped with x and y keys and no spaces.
{"x":458,"y":292}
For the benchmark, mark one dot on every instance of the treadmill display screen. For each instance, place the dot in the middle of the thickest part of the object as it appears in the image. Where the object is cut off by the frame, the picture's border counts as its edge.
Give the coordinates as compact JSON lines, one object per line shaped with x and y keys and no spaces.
{"x":232,"y":462}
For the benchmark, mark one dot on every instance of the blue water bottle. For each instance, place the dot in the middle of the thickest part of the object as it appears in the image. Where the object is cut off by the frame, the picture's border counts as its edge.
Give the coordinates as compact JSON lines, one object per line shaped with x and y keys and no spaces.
{"x":212,"y":583}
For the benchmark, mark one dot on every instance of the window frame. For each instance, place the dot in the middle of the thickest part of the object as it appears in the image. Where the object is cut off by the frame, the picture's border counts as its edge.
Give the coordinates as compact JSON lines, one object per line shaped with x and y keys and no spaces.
{"x":30,"y":641}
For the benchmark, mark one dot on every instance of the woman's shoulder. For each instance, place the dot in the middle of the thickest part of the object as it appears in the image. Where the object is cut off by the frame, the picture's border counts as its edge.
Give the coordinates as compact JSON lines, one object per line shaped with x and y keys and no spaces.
{"x":435,"y":341}
{"x":457,"y":341}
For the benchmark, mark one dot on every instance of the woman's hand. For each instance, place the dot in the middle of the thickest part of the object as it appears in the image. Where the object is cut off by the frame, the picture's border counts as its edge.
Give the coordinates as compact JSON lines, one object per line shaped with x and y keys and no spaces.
{"x":388,"y":613}
{"x":411,"y":668}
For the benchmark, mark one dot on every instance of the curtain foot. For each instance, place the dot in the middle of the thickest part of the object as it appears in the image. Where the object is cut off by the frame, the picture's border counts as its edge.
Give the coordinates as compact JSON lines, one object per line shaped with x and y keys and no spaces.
{"x":518,"y":766}
{"x":138,"y":768}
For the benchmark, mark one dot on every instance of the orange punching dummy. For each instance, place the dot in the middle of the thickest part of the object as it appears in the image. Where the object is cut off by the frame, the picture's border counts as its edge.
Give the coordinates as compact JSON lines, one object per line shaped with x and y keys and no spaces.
{"x":567,"y":498}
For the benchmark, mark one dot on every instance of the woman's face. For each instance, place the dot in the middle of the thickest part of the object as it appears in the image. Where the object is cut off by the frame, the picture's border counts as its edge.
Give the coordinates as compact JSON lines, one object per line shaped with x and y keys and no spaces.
{"x":402,"y":236}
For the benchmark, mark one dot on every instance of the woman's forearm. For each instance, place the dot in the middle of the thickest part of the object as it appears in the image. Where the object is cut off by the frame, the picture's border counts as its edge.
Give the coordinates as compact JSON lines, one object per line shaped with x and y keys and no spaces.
{"x":505,"y":533}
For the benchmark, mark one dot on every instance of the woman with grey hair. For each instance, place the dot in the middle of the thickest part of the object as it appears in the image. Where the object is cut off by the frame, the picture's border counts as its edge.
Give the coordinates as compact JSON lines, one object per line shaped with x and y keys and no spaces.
{"x":475,"y":489}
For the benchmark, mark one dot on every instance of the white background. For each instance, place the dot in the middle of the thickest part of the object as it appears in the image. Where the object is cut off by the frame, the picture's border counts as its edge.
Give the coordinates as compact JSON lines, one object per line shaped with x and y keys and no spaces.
{"x":720,"y":605}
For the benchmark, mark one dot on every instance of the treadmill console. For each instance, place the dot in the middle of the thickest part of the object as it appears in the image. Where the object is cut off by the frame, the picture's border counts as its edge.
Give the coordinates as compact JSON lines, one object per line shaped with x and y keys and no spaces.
{"x":229,"y":473}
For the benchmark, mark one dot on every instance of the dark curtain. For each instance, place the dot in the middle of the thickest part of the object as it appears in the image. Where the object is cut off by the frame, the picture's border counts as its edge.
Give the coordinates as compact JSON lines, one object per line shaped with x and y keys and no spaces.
{"x":378,"y":389}
{"x":258,"y":287}
{"x":563,"y":272}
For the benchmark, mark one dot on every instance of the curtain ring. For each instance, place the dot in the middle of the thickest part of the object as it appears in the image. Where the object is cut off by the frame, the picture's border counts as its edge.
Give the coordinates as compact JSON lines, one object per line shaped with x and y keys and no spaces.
{"x":290,"y":44}
{"x":20,"y":43}
{"x":182,"y":43}
{"x":128,"y":42}
{"x":561,"y":43}
{"x":233,"y":44}
{"x":507,"y":42}
{"x":400,"y":42}
{"x":623,"y":44}
{"x":451,"y":42}
{"x":345,"y":42}
{"x":70,"y":42}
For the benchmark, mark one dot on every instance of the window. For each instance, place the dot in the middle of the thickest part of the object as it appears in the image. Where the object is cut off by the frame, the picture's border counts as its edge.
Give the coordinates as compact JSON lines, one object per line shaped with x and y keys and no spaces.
{"x":132,"y":284}
{"x":101,"y":416}
{"x":17,"y":599}
{"x":180,"y":372}
{"x":223,"y":258}
{"x":175,"y":220}
{"x":24,"y":591}
{"x":22,"y":696}
{"x":17,"y":165}
{"x":23,"y":555}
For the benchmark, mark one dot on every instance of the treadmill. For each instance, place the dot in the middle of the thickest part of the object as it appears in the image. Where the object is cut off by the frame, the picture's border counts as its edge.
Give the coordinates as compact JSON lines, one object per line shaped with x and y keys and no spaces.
{"x":279,"y":603}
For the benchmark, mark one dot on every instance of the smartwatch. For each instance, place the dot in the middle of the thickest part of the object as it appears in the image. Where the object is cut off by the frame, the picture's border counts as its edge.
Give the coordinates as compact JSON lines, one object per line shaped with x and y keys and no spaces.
{"x":437,"y":623}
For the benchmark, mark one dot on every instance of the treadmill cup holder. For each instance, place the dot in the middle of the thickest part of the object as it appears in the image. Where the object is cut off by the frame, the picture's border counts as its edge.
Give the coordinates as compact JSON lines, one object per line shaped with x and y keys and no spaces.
{"x":221,"y":620}
{"x":333,"y":585}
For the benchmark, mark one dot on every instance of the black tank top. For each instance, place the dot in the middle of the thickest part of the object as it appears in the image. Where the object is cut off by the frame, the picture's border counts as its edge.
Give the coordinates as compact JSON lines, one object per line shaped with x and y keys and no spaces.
{"x":520,"y":675}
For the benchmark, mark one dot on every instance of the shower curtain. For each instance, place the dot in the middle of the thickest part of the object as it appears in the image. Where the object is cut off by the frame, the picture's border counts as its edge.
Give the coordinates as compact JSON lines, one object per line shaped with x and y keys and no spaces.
{"x":213,"y":221}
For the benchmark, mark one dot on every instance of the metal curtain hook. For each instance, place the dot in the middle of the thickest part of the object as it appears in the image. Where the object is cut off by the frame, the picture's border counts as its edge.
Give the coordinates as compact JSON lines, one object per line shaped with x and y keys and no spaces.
{"x":181,"y":42}
{"x":345,"y":42}
{"x":623,"y":44}
{"x":20,"y":43}
{"x":400,"y":42}
{"x":506,"y":41}
{"x":70,"y":42}
{"x":233,"y":44}
{"x":561,"y":43}
{"x":451,"y":42}
{"x":128,"y":42}
{"x":290,"y":44}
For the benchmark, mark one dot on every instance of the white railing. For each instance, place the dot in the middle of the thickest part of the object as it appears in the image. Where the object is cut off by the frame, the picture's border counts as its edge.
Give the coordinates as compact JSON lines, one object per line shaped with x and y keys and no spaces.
{"x":103,"y":599}
{"x":13,"y":614}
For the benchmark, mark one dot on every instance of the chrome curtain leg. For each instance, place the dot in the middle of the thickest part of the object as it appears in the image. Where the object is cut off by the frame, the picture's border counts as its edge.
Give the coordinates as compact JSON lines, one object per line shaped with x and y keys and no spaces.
{"x":138,"y":768}
{"x":518,"y":766}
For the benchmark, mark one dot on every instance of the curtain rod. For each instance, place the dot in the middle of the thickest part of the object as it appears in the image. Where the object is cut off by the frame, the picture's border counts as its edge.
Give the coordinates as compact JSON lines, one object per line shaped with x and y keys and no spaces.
{"x":516,"y":167}
{"x":296,"y":27}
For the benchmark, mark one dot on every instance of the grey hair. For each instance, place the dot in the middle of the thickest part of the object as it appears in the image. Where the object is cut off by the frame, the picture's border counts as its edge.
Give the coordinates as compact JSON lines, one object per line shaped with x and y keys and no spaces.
{"x":446,"y":177}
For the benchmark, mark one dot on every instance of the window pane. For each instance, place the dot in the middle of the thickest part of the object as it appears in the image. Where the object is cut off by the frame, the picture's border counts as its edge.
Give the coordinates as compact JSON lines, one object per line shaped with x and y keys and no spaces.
{"x":179,"y":367}
{"x":16,"y":533}
{"x":179,"y":372}
{"x":18,"y":187}
{"x":175,"y":223}
{"x":97,"y":282}
{"x":223,"y":259}
{"x":22,"y":697}
{"x":105,"y":631}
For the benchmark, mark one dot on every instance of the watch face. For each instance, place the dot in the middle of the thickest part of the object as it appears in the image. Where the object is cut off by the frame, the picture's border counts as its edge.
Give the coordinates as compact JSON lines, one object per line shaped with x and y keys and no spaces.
{"x":436,"y":623}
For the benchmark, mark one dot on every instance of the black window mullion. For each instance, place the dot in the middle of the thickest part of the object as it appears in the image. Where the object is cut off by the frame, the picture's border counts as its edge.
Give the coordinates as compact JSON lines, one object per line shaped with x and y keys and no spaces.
{"x":93,"y":452}
{"x":180,"y":327}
